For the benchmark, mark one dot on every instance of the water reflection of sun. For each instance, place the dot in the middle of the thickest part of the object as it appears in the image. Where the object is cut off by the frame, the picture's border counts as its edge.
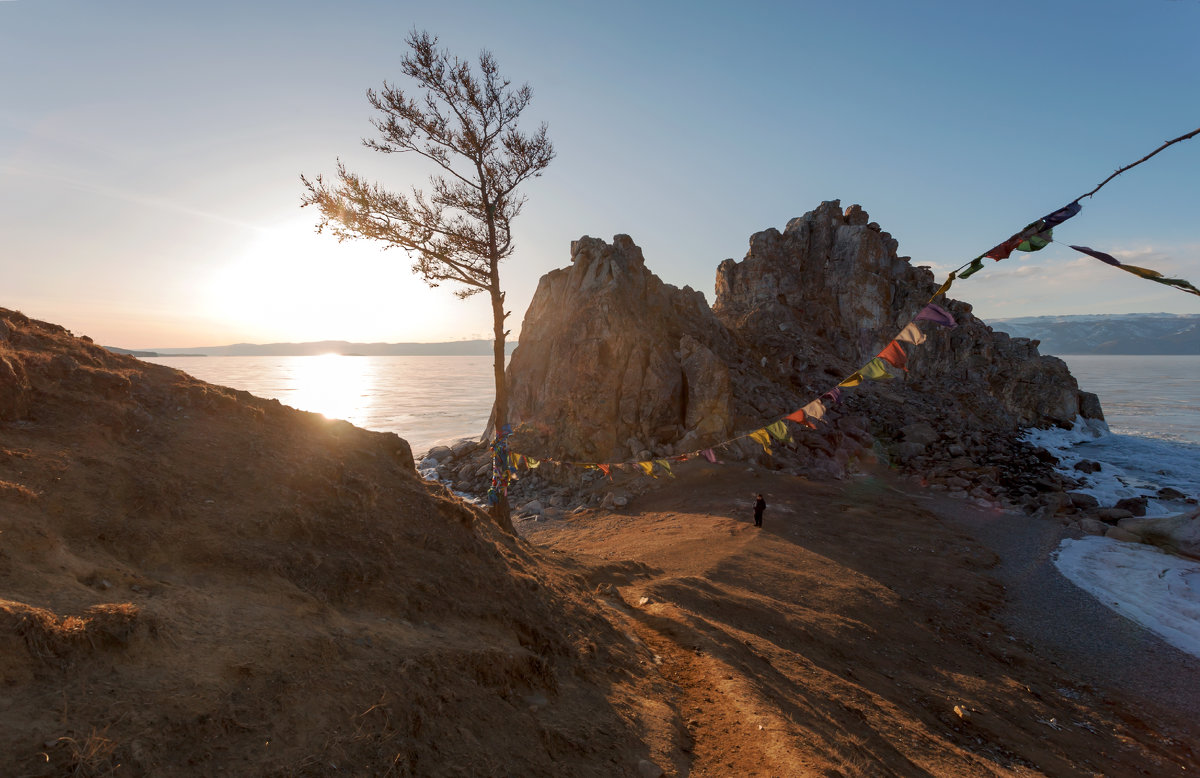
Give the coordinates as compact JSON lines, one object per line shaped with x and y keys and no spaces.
{"x":335,"y":386}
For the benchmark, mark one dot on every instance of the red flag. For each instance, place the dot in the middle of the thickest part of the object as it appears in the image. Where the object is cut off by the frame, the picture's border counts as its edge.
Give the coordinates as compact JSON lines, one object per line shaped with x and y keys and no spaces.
{"x":894,"y":355}
{"x":800,"y":417}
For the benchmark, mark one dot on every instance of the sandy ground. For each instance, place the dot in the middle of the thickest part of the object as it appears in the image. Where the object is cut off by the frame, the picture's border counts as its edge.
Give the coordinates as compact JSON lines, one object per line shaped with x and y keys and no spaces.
{"x":1071,"y":627}
{"x":196,"y":582}
{"x":872,"y":629}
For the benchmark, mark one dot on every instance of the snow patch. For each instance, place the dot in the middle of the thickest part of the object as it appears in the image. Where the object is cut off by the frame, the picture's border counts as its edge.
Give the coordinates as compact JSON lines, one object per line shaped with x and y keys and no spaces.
{"x":1157,"y":590}
{"x":1130,"y":466}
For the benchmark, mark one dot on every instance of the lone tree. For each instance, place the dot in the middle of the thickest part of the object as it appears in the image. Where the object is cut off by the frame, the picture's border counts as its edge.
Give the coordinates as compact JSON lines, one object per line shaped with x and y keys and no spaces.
{"x":465,"y":121}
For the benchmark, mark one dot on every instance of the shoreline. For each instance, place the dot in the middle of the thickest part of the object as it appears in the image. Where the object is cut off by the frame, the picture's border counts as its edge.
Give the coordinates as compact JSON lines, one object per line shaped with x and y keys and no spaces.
{"x":1104,"y":647}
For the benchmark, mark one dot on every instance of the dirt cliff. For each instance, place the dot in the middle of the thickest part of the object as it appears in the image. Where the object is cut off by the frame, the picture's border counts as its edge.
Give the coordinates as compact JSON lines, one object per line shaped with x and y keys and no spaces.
{"x":195,"y":581}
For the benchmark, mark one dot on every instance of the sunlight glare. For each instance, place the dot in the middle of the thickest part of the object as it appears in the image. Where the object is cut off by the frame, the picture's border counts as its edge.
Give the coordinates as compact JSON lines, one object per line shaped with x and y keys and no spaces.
{"x":336,"y":386}
{"x":291,"y":284}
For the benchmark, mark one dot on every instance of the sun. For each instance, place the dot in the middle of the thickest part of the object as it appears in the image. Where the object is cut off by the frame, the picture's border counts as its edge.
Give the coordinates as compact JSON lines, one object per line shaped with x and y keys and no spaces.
{"x":291,"y":284}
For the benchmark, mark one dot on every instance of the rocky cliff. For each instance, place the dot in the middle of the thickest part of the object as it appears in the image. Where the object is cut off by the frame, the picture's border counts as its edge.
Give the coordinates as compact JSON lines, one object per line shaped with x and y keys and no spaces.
{"x":614,"y":365}
{"x":829,"y":292}
{"x":613,"y":362}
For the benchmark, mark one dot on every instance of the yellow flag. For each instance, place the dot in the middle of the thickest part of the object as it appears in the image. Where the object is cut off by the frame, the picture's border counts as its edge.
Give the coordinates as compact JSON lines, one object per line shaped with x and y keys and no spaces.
{"x":944,"y":287}
{"x":647,"y":467}
{"x":531,"y":463}
{"x":764,"y":439}
{"x":853,"y":380}
{"x":1144,"y":272}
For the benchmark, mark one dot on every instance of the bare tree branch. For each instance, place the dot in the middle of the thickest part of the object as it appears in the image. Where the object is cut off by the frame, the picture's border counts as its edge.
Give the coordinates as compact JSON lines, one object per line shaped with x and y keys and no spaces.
{"x":464,"y":121}
{"x":1191,"y":134}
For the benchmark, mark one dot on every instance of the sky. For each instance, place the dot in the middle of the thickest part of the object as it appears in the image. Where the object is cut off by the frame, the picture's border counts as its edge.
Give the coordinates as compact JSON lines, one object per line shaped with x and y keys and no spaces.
{"x":151,"y":153}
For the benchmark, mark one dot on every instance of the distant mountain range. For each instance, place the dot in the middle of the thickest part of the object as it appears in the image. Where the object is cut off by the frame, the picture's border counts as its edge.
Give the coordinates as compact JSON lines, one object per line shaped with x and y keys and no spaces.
{"x":1123,"y":333}
{"x":1102,"y":333}
{"x":316,"y":348}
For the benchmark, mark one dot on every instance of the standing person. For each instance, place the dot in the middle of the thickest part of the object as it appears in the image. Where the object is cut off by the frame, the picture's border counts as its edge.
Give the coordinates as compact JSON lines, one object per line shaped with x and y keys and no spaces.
{"x":760,"y":505}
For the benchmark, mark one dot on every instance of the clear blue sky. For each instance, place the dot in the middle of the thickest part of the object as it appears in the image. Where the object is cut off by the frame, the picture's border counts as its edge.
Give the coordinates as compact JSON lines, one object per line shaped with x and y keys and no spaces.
{"x":150,"y":152}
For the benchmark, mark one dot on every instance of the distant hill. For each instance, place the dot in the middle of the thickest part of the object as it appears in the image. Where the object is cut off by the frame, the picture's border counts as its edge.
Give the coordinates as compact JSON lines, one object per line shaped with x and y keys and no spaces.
{"x":1124,"y":333}
{"x":316,"y":348}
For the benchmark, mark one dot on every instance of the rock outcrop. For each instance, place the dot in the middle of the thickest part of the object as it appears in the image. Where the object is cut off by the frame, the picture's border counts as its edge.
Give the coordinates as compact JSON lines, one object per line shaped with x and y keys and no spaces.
{"x":614,"y":365}
{"x":1179,"y":533}
{"x":830,"y":291}
{"x":613,"y":362}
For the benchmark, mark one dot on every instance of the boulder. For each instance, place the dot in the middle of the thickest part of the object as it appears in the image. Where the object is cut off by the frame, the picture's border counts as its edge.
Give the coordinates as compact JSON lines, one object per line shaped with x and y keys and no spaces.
{"x":1116,"y":533}
{"x":1089,"y":406}
{"x":1111,"y":515}
{"x":1179,"y":533}
{"x":1082,"y":500}
{"x":440,"y":453}
{"x":921,"y":433}
{"x":1093,"y":526}
{"x":1135,"y":505}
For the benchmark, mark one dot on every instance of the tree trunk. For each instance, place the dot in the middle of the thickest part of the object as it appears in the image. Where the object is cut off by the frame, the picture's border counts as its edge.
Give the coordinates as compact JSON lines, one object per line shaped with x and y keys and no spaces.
{"x":500,"y":511}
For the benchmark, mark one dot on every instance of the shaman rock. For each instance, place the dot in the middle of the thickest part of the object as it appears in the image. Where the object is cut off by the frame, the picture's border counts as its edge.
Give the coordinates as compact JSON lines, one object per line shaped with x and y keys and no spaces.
{"x":612,"y":359}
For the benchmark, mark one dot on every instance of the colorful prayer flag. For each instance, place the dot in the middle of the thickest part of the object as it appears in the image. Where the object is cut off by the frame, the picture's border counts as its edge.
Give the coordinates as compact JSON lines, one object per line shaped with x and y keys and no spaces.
{"x":815,"y":410}
{"x":763,"y":438}
{"x":854,"y":380}
{"x":894,"y":355}
{"x":1036,"y":242}
{"x":647,"y":467}
{"x":800,"y":417}
{"x":936,"y":314}
{"x":779,"y":431}
{"x":835,"y":394}
{"x":665,"y":465}
{"x":1062,"y":214}
{"x":1100,"y":255}
{"x":1144,"y":272}
{"x":709,"y":455}
{"x":946,"y":286}
{"x":875,"y":370}
{"x":1038,"y":230}
{"x":911,"y":334}
{"x":975,"y":266}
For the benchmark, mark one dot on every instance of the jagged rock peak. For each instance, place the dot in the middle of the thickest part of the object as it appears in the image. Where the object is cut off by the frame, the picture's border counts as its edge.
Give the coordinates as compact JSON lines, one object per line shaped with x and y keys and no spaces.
{"x":832,"y":289}
{"x":831,"y":274}
{"x":615,"y":362}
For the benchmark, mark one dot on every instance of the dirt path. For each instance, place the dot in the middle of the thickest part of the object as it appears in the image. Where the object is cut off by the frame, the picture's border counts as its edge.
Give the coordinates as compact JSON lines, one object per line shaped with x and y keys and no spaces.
{"x":857,"y":633}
